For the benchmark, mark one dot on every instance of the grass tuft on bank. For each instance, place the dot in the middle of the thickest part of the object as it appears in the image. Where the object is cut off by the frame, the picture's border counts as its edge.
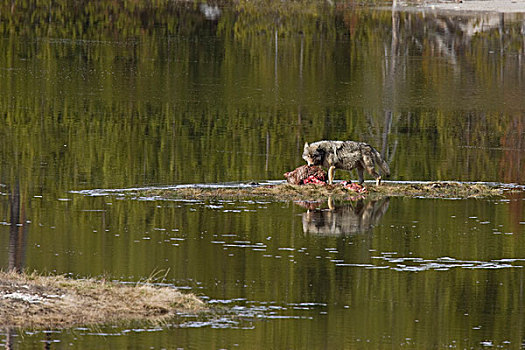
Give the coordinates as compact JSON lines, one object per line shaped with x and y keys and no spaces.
{"x":33,"y":301}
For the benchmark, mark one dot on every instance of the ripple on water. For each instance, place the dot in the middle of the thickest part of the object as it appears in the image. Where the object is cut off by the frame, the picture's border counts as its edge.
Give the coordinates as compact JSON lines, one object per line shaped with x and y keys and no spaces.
{"x":415,"y":264}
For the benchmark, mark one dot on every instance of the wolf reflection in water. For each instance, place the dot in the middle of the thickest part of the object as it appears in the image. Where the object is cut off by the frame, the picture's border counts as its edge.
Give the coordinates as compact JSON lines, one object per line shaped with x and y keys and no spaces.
{"x":348,"y":218}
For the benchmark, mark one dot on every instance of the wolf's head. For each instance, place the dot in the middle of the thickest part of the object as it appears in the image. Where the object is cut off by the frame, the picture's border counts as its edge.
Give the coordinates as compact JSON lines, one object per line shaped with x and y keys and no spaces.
{"x":313,"y":155}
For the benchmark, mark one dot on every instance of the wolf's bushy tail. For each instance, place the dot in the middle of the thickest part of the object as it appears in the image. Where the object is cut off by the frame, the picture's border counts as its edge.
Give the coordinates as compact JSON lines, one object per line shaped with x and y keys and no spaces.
{"x":385,"y":169}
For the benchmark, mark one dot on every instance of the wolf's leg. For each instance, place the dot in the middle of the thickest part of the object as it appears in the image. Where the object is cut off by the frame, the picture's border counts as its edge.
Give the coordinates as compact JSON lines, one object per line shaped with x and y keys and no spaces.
{"x":331,"y":204}
{"x":370,"y":168}
{"x":376,"y":176}
{"x":331,"y":172}
{"x":360,"y":174}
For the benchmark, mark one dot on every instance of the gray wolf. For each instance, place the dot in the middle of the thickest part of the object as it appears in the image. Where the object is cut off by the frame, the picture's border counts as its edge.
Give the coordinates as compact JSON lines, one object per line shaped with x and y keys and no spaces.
{"x":346,"y":155}
{"x":304,"y":172}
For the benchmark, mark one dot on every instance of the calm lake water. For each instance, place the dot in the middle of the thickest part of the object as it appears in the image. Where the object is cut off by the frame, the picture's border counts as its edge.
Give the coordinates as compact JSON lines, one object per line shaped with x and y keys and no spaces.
{"x":114,"y":96}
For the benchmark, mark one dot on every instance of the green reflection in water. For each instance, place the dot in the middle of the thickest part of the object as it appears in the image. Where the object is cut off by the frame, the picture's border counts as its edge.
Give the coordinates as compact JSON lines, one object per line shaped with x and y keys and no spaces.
{"x":437,"y":272}
{"x":212,"y":101}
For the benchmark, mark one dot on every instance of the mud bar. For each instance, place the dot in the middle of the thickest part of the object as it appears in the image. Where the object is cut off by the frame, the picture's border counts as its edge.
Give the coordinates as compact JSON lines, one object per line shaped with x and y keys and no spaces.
{"x":280,"y":190}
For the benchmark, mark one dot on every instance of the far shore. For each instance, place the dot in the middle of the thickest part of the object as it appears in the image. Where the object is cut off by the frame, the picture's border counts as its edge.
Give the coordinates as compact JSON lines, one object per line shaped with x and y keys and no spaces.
{"x":468,"y":6}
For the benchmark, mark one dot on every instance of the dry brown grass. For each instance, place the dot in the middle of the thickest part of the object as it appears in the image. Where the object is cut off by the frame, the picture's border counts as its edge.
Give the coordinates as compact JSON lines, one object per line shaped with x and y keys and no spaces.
{"x":36,"y":301}
{"x":337,"y":192}
{"x":439,"y":189}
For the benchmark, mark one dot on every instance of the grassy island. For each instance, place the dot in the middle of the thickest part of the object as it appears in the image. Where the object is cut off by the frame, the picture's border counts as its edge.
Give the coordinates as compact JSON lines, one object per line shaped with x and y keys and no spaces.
{"x":286,"y":191}
{"x":52,"y":302}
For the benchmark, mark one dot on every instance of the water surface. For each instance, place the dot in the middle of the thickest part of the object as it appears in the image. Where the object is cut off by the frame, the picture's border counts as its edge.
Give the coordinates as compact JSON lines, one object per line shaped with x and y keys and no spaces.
{"x":113,"y":96}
